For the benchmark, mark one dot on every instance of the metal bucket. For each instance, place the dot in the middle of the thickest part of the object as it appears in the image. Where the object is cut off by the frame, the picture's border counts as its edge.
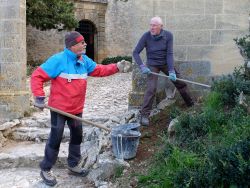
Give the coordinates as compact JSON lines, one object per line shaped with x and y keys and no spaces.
{"x":125,"y":140}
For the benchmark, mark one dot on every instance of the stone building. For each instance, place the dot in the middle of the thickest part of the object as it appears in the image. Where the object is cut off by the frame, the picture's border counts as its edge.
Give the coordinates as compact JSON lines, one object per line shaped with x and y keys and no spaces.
{"x":203,"y":38}
{"x":203,"y":29}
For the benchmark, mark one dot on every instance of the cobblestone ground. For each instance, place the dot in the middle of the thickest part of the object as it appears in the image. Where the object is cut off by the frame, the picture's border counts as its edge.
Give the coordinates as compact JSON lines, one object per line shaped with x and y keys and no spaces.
{"x":107,"y":96}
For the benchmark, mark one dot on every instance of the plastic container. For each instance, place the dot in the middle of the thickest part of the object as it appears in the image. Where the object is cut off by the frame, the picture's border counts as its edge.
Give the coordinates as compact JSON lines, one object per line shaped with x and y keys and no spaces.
{"x":125,"y":140}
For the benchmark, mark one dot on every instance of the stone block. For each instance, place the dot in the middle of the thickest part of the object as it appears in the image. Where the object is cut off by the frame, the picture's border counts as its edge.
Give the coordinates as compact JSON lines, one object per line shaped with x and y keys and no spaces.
{"x":9,"y":12}
{"x":192,"y":37}
{"x":231,"y":22}
{"x":236,"y":7}
{"x":180,"y":53}
{"x":169,"y":22}
{"x":10,"y":27}
{"x":12,"y":55}
{"x":189,"y":7}
{"x":8,"y":41}
{"x":138,"y":79}
{"x":225,"y":67}
{"x":194,"y":22}
{"x":213,"y":6}
{"x":141,"y":7}
{"x":197,"y":71}
{"x":13,"y":107}
{"x":194,"y":69}
{"x":9,"y":125}
{"x":222,"y":37}
{"x":8,"y":2}
{"x":135,"y":99}
{"x":198,"y":52}
{"x":11,"y":81}
{"x":168,"y":7}
{"x":91,"y":6}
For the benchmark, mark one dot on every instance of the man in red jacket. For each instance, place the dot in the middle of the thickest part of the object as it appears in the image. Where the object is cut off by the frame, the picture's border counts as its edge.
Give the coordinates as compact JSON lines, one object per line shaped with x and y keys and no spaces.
{"x":67,"y":71}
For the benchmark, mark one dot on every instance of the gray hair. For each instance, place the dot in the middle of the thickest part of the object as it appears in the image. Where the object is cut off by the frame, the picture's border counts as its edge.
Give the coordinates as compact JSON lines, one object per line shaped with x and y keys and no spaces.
{"x":157,"y":19}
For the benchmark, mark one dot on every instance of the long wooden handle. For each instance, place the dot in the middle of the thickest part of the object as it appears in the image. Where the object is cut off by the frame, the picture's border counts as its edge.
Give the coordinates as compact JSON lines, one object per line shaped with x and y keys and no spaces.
{"x":188,"y":81}
{"x":77,"y":118}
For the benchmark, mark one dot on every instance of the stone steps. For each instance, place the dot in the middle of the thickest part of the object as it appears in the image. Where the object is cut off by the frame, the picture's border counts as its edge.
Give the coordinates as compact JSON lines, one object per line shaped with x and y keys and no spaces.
{"x":28,"y":154}
{"x":30,"y":177}
{"x":35,"y":134}
{"x":19,"y":167}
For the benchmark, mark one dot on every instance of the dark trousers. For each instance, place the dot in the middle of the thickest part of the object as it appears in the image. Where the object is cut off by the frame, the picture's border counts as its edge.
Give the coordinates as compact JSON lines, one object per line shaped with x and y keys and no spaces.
{"x":152,"y":86}
{"x":55,"y":138}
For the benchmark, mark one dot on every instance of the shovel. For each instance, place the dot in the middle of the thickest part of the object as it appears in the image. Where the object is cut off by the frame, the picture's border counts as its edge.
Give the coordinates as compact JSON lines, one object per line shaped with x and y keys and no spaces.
{"x":191,"y":82}
{"x":77,"y":118}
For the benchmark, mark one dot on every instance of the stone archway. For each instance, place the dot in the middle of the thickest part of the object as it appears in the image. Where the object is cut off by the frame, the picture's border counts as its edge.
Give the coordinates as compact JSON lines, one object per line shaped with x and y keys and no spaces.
{"x":88,"y":30}
{"x":93,"y":12}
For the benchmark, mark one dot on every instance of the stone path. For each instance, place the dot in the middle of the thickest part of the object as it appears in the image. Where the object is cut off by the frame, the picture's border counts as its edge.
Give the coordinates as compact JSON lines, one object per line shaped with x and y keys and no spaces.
{"x":106,"y":101}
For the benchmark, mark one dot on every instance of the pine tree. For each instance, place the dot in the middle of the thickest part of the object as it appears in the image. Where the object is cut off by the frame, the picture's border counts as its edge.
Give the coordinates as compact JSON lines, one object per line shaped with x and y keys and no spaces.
{"x":51,"y":14}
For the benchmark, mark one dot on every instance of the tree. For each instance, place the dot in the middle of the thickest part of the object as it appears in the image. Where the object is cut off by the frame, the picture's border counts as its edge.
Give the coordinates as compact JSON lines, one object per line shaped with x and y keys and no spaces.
{"x":51,"y":14}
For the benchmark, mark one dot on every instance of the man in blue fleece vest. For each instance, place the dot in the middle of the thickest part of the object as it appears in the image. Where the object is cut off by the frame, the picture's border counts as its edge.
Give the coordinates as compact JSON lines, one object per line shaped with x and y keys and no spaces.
{"x":159,"y":51}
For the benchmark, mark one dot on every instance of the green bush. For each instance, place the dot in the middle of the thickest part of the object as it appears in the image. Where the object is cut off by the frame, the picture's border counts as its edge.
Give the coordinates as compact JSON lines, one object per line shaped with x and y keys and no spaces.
{"x":230,"y":166}
{"x":230,"y":86}
{"x":243,"y":44}
{"x":224,"y":167}
{"x":167,"y":165}
{"x":110,"y":60}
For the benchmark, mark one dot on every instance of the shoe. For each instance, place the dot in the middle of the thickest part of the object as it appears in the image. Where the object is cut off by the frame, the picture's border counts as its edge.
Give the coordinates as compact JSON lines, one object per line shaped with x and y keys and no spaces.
{"x":144,"y":121}
{"x":78,"y":170}
{"x":48,"y":177}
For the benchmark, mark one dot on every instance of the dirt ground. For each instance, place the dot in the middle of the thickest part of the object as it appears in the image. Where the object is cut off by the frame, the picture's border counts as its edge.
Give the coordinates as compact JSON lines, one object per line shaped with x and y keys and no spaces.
{"x":150,"y":143}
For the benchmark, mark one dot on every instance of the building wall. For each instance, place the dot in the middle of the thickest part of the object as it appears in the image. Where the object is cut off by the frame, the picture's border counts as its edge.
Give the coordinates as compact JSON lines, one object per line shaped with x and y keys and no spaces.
{"x":14,"y":97}
{"x":203,"y":29}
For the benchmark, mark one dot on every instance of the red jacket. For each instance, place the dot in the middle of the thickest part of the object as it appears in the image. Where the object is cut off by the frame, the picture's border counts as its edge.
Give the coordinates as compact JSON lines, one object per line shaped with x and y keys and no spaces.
{"x":68,"y":77}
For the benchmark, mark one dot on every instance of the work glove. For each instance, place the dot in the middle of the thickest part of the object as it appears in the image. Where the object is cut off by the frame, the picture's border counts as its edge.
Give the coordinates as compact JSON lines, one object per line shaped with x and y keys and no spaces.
{"x":39,"y":102}
{"x":145,"y":69}
{"x":172,"y":76}
{"x":124,"y":66}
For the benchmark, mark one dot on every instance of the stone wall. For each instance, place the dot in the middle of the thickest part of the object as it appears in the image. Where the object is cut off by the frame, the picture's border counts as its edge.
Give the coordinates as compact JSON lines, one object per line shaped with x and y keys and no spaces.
{"x":14,"y":97}
{"x":43,"y":44}
{"x":119,"y":30}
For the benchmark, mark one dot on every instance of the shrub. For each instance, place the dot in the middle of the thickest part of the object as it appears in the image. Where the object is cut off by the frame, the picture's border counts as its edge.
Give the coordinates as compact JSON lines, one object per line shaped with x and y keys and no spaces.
{"x":230,"y":166}
{"x":224,"y":167}
{"x":110,"y":60}
{"x":243,"y":44}
{"x":168,"y":164}
{"x":230,"y":86}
